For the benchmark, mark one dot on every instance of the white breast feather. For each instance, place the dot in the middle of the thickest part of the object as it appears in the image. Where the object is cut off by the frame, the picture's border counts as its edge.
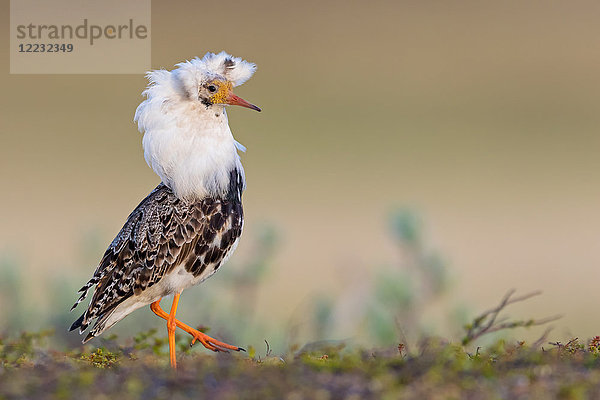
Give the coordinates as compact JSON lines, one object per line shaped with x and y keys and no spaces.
{"x":189,"y":147}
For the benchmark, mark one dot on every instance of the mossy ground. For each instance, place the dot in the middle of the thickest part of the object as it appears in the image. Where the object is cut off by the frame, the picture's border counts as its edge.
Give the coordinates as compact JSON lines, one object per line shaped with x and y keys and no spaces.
{"x":46,"y":366}
{"x":437,"y":370}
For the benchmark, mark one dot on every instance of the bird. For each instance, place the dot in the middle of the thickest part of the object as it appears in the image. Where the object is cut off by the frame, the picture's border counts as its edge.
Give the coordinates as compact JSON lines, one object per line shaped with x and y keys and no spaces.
{"x":191,"y":223}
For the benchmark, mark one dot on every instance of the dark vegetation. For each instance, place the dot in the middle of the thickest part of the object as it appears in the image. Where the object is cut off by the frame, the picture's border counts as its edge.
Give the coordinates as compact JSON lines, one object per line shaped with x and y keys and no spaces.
{"x":403,"y":358}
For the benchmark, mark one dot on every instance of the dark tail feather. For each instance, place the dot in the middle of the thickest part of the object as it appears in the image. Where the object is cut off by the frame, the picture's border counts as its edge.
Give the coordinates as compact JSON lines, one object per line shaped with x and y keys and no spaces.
{"x":78,"y":301}
{"x":89,"y":337}
{"x":77,"y":323}
{"x":84,"y":292}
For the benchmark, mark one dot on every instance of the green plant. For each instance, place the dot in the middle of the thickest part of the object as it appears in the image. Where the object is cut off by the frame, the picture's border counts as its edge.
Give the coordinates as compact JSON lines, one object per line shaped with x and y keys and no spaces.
{"x":101,"y":358}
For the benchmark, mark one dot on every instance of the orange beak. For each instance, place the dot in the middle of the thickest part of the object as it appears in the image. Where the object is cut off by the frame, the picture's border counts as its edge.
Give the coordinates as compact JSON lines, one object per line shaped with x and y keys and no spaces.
{"x":234,"y":100}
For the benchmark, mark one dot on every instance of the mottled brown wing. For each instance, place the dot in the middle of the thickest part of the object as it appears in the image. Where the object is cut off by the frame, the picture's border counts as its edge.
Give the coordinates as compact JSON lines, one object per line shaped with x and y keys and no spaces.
{"x":138,"y":256}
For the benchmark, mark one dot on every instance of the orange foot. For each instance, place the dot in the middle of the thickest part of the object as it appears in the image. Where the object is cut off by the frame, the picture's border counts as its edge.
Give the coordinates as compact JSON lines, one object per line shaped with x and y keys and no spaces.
{"x":207,"y":341}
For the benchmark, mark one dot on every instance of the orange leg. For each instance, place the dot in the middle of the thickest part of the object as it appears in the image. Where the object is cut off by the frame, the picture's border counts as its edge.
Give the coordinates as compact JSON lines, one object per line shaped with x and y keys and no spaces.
{"x":171,"y":331}
{"x":207,"y":341}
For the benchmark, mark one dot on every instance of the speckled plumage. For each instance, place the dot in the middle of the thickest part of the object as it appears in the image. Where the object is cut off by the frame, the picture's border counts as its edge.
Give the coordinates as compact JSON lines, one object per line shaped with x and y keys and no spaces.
{"x":163,"y":232}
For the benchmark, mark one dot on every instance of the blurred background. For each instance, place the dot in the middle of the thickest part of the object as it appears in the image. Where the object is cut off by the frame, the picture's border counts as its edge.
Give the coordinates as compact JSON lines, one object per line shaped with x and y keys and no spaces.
{"x":413,"y":162}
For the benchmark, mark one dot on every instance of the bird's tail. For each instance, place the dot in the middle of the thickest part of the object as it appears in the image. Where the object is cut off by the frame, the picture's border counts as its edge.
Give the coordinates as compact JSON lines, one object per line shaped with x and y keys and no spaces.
{"x":78,"y":324}
{"x":84,"y":291}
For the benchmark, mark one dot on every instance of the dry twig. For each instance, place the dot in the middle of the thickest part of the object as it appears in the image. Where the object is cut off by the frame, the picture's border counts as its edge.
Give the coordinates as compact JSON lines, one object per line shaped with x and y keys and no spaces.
{"x":488,"y":321}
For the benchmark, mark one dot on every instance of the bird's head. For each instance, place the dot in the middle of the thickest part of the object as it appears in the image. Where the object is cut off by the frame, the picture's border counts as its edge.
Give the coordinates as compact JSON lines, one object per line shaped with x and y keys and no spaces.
{"x":201,"y":83}
{"x":219,"y":91}
{"x":187,"y":140}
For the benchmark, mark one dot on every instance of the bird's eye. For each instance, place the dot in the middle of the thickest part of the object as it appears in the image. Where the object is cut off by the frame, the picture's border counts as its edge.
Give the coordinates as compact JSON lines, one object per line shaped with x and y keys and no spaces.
{"x":212,"y":88}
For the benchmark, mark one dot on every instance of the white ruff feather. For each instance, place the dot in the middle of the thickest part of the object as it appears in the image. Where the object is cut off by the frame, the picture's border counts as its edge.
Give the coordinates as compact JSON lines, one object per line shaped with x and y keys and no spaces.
{"x":188,"y":144}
